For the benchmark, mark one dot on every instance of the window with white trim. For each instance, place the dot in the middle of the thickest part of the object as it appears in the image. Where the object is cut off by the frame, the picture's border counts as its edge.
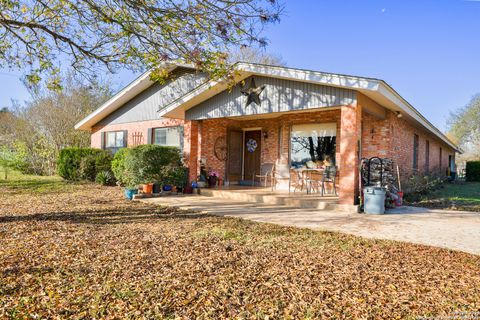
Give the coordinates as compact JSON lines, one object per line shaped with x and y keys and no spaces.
{"x":169,"y":136}
{"x":114,"y":140}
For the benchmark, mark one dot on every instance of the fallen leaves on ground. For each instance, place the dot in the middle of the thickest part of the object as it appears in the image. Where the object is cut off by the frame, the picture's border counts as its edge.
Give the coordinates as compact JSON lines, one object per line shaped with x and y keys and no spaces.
{"x":84,"y":252}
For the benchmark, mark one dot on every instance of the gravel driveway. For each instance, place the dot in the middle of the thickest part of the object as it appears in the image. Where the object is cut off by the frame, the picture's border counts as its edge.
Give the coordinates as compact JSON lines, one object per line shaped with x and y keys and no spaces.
{"x":454,"y":230}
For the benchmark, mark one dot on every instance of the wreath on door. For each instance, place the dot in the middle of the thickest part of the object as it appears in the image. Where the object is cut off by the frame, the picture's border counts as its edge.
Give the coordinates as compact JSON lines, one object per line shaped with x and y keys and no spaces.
{"x":251,"y":145}
{"x":220,"y":148}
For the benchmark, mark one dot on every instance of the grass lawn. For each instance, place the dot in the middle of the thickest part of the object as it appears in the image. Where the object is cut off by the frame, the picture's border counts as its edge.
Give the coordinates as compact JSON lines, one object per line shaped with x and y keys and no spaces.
{"x":80,"y":251}
{"x":454,"y":196}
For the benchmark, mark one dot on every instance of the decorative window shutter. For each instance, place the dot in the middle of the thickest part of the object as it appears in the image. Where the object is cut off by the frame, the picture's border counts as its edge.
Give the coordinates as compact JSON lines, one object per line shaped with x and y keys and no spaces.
{"x":102,"y":140}
{"x":149,"y":135}
{"x":125,"y":138}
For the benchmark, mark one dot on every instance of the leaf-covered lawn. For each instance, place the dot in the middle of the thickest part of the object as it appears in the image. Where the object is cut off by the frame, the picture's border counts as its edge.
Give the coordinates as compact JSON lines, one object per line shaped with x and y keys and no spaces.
{"x":454,"y":196}
{"x":83,"y":252}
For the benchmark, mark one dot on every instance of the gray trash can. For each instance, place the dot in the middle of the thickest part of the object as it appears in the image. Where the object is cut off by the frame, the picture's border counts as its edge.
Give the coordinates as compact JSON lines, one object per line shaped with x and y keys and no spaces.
{"x":374,"y":200}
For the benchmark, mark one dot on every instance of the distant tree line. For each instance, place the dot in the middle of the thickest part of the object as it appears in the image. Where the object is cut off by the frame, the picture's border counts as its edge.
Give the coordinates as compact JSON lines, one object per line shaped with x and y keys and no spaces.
{"x":33,"y":133}
{"x":464,"y":129}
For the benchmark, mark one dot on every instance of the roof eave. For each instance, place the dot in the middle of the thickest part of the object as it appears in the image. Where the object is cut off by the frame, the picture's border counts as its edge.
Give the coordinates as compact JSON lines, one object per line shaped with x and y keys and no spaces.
{"x":390,"y":93}
{"x":134,"y":88}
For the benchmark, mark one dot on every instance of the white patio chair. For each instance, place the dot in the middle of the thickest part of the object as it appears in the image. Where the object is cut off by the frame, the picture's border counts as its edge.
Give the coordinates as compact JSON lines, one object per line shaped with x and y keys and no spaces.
{"x":266,"y":172}
{"x":281,"y":172}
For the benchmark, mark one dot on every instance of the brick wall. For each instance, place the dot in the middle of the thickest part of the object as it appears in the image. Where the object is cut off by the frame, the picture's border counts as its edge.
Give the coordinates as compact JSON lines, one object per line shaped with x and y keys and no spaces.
{"x":389,"y":137}
{"x":393,"y":137}
{"x":275,"y":147}
{"x":137,"y":131}
{"x":402,"y":148}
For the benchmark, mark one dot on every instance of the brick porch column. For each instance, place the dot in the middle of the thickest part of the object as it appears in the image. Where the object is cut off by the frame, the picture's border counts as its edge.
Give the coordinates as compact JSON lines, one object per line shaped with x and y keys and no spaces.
{"x":350,"y":135}
{"x":191,"y":136}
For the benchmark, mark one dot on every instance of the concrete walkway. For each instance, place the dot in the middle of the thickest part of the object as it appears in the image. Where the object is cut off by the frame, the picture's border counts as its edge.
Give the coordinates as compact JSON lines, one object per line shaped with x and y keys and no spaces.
{"x":447,"y":229}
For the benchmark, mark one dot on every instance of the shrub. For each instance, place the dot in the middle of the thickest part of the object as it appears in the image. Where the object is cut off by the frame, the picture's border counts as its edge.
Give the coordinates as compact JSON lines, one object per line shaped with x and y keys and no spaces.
{"x":82,"y":163}
{"x":14,"y":160}
{"x":118,"y":165}
{"x":177,"y":176}
{"x":105,"y":178}
{"x":150,"y":163}
{"x":472,"y":171}
{"x":87,"y":170}
{"x":420,"y":185}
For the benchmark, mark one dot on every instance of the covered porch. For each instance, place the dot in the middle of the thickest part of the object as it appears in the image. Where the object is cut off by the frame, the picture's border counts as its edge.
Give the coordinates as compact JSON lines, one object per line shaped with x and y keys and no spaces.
{"x":239,"y":149}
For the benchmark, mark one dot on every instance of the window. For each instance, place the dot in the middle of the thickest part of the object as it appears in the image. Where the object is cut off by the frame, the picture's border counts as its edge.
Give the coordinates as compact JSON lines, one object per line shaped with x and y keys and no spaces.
{"x":313,"y":142}
{"x":415,"y":152}
{"x":169,"y":136}
{"x":114,"y":140}
{"x":427,"y":156}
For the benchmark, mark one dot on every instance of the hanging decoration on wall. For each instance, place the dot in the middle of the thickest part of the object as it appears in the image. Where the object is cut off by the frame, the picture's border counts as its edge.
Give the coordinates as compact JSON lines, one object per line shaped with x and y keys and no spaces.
{"x":253,"y":93}
{"x":251,"y":145}
{"x":220,"y":148}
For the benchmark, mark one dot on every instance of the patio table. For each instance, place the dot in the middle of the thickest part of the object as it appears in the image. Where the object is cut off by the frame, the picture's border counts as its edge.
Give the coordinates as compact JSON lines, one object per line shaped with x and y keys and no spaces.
{"x":312,"y":177}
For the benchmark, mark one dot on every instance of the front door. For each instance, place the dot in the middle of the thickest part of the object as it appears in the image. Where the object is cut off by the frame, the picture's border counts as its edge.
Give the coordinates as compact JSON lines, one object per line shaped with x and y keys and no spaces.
{"x":252,"y":145}
{"x":234,"y":158}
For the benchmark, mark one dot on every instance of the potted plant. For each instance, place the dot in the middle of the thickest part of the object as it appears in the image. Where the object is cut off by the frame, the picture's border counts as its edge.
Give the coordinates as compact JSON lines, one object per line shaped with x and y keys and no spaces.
{"x":147,"y":188}
{"x":129,"y":191}
{"x":212,"y":178}
{"x":179,"y":177}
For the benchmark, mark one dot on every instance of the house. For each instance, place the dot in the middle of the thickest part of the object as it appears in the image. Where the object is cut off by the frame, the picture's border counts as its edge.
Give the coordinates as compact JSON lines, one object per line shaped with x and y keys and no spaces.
{"x":287,"y":116}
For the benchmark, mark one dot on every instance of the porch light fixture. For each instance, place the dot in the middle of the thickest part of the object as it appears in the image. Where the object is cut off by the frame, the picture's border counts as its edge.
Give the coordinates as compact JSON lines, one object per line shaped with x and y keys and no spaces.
{"x":399,"y":114}
{"x":265,"y":134}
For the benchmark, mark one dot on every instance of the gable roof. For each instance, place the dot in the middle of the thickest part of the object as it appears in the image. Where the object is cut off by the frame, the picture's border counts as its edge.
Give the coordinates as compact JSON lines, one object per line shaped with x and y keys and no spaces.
{"x":123,"y":96}
{"x":376,"y":89}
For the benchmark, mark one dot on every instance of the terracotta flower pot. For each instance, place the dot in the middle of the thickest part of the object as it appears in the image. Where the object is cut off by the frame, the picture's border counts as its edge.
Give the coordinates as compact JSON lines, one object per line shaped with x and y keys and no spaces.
{"x":147,"y":188}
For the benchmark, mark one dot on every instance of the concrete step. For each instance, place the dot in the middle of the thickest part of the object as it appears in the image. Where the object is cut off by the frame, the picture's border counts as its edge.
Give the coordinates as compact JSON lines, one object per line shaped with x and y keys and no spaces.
{"x":294,"y":200}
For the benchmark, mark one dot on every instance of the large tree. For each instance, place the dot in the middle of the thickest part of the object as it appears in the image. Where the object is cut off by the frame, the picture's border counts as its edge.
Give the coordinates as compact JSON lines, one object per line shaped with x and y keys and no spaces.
{"x":465,"y":128}
{"x":37,"y":36}
{"x":255,"y":55}
{"x":39,"y":129}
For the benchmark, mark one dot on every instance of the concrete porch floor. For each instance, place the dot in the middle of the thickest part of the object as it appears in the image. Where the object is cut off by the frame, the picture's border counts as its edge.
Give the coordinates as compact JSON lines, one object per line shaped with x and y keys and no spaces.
{"x":446,"y":229}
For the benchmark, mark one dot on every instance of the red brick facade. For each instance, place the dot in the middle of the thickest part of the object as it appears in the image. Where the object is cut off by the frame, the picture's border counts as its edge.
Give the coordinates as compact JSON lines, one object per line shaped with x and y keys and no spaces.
{"x":393,"y":138}
{"x":137,"y":131}
{"x":390,"y":137}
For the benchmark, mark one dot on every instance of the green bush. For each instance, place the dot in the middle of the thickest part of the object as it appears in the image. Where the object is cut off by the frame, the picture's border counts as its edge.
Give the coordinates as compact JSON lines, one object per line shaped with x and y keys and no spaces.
{"x":87,"y":170}
{"x":82,"y":163}
{"x":420,"y":185}
{"x":14,"y":160}
{"x":150,"y":163}
{"x":105,"y":178}
{"x":118,"y":166}
{"x":177,"y":177}
{"x":472,"y":171}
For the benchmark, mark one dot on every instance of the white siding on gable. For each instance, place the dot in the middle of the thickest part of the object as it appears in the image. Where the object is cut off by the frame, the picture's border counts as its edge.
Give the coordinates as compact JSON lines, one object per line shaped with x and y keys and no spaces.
{"x":145,"y":106}
{"x":279,"y":96}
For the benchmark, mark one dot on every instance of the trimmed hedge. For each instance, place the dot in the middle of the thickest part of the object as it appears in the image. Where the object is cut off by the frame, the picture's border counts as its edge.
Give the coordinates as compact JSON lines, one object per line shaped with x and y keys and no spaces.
{"x":147,"y":163}
{"x":83,"y":163}
{"x":472,"y":171}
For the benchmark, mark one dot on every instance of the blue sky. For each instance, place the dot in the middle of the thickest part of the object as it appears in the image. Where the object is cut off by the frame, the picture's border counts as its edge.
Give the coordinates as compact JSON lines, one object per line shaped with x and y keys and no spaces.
{"x":428,"y":50}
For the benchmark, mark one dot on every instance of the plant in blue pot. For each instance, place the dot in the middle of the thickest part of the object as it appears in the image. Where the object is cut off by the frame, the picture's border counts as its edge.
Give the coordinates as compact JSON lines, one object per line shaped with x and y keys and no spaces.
{"x":129,"y":192}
